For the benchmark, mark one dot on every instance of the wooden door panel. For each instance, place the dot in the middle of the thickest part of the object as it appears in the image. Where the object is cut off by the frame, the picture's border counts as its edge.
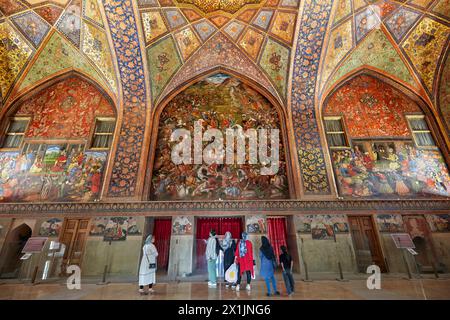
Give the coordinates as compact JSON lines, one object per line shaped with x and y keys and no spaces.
{"x":366,"y":245}
{"x":74,"y":238}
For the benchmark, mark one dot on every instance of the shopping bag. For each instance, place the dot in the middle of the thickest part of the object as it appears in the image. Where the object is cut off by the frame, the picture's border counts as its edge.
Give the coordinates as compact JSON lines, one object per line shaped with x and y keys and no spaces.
{"x":231,"y":273}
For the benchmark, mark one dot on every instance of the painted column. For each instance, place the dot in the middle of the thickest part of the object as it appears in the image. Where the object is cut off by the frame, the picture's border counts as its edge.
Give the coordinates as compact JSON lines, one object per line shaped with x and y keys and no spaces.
{"x":313,"y":26}
{"x":127,"y":159}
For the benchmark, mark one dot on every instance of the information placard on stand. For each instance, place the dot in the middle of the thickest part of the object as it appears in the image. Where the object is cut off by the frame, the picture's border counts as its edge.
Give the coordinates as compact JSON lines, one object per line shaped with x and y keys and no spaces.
{"x":404,"y":242}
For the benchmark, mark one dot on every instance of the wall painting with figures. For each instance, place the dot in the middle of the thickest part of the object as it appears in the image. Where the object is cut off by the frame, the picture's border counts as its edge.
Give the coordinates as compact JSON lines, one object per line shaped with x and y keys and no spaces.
{"x":55,"y":160}
{"x":219,"y":101}
{"x":388,"y":150}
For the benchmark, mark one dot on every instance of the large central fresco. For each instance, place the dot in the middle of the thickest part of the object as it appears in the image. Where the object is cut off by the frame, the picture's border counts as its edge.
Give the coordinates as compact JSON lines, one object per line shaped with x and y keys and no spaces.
{"x":230,"y":6}
{"x":220,"y":102}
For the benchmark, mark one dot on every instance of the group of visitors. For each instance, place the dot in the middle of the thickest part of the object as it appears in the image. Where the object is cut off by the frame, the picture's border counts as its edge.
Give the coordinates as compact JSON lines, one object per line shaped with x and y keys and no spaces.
{"x":239,"y":256}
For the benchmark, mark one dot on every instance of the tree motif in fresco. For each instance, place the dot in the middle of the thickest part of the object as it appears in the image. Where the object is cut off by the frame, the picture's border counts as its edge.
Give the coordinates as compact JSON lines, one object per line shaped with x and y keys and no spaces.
{"x":66,"y":109}
{"x":221,"y":102}
{"x":372,"y":108}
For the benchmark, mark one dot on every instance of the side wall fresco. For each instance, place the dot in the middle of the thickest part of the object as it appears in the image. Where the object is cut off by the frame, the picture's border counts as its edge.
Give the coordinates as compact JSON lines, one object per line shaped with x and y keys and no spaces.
{"x":382,"y":159}
{"x":54,"y":161}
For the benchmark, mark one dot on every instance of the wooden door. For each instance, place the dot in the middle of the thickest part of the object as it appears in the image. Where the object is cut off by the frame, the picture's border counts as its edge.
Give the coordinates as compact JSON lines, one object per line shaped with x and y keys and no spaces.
{"x":365,"y":240}
{"x":74,"y":238}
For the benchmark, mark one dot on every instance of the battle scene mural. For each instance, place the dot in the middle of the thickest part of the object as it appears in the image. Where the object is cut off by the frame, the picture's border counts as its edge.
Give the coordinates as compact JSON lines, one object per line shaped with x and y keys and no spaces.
{"x":383,"y":160}
{"x":63,"y":168}
{"x":219,"y":102}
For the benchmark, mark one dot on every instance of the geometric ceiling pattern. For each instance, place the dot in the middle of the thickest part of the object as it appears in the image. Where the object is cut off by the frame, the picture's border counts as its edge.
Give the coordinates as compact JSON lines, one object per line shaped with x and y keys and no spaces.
{"x":391,"y":36}
{"x":52,"y":36}
{"x":405,"y":38}
{"x":262,"y":30}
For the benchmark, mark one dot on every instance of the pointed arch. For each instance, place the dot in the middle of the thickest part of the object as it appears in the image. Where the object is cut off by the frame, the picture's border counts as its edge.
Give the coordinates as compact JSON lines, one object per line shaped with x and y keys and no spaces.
{"x":282,"y":116}
{"x":12,"y":104}
{"x":364,"y":141}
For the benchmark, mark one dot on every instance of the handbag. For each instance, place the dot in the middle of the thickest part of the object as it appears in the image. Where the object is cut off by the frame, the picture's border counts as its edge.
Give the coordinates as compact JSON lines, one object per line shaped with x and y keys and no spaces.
{"x":275,"y":264}
{"x":150,"y":265}
{"x":231,"y":273}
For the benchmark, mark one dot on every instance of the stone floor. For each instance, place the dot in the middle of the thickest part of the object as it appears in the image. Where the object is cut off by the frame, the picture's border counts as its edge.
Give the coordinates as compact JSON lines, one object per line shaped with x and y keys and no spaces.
{"x":321,"y":289}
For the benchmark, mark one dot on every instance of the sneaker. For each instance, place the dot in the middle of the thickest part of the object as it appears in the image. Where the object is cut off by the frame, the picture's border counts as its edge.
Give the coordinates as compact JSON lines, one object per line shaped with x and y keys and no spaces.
{"x":209,"y":283}
{"x":233,"y":287}
{"x":277,"y":293}
{"x":151,"y":290}
{"x":238,"y":287}
{"x":268,"y":294}
{"x":213,"y":285}
{"x":227,"y":286}
{"x":248,"y":287}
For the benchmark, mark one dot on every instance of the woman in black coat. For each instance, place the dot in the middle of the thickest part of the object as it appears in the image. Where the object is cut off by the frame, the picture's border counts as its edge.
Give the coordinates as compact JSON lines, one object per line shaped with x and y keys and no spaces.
{"x":229,"y":247}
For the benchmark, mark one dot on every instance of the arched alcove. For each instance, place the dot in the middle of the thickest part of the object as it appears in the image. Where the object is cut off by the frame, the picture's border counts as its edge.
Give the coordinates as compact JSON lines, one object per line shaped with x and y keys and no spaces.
{"x":220,"y":101}
{"x":383,"y":141}
{"x":56,"y":141}
{"x":12,"y":250}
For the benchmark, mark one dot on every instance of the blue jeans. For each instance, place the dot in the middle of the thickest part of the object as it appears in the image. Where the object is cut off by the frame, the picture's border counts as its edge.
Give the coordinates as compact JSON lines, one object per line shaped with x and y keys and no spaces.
{"x":274,"y":284}
{"x":288,"y":280}
{"x":212,"y":271}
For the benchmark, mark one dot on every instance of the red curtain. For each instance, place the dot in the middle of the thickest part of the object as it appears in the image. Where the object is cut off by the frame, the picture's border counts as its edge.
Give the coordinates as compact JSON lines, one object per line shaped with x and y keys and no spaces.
{"x":221,"y":225}
{"x":276,"y":231}
{"x":161,"y":231}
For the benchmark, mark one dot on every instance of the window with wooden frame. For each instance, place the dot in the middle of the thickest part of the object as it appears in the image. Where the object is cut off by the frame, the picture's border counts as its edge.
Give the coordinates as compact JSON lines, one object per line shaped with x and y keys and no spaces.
{"x":334,"y":130}
{"x":103,"y":133}
{"x":15,"y":132}
{"x":420,"y":131}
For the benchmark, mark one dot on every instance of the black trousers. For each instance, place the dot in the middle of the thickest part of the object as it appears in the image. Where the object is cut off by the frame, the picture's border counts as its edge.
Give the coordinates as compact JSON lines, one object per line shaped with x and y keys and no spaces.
{"x":149,"y":286}
{"x":249,"y":276}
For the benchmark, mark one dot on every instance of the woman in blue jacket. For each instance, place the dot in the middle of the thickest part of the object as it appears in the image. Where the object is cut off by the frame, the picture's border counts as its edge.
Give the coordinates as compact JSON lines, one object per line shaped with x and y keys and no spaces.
{"x":268,"y":265}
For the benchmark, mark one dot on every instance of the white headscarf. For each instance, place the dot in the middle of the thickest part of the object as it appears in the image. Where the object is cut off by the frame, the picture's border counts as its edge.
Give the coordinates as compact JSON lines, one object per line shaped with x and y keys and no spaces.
{"x":226,"y":243}
{"x":148,"y":240}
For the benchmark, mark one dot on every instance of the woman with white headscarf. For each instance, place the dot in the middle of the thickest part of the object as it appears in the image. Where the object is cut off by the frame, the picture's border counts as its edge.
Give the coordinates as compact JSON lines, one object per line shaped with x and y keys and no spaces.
{"x":147,"y":269}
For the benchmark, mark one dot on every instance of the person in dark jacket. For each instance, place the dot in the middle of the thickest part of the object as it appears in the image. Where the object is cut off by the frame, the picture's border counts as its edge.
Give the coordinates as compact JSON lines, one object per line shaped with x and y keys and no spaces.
{"x":268,"y":264}
{"x":229,"y":248}
{"x":286,"y":264}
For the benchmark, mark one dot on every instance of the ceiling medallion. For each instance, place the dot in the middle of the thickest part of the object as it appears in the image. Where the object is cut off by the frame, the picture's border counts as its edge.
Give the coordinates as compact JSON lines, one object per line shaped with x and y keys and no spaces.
{"x":209,"y":6}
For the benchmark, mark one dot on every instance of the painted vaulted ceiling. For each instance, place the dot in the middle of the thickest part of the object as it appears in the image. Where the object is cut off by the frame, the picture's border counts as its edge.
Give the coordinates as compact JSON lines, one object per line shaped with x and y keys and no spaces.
{"x":181,"y":38}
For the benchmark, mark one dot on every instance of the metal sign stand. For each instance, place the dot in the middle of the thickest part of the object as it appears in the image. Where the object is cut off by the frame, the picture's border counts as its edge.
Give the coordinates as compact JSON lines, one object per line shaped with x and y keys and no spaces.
{"x":406,"y":265}
{"x":305,"y":265}
{"x":105,"y":270}
{"x":404,"y":242}
{"x":341,"y":274}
